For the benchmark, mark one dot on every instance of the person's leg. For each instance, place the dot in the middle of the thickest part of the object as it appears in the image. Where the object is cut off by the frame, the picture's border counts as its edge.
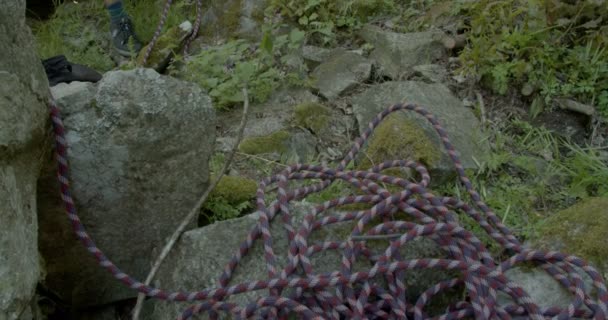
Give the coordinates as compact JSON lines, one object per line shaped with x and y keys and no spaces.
{"x":121,"y":28}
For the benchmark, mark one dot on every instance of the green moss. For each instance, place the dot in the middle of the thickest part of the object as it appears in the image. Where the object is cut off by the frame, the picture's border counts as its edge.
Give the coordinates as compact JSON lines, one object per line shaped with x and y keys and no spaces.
{"x":311,"y":115}
{"x":399,"y":137}
{"x":232,"y":17}
{"x":579,"y":230}
{"x":274,"y":142}
{"x":235,"y":189}
{"x":231,"y":198}
{"x":167,"y":43}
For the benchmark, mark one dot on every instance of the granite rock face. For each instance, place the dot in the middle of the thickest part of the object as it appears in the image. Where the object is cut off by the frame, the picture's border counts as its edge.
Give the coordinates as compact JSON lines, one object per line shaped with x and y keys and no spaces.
{"x":24,"y":139}
{"x":139,"y":146}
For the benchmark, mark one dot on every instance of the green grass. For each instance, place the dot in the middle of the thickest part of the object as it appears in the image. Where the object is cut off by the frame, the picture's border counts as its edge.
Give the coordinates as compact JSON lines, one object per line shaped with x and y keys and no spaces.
{"x":80,"y":31}
{"x":551,"y":48}
{"x":529,"y":175}
{"x":73,"y":31}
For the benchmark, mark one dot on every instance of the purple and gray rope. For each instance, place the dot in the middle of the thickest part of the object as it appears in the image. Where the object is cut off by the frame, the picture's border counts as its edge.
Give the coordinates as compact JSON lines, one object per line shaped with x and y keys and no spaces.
{"x":346,"y":293}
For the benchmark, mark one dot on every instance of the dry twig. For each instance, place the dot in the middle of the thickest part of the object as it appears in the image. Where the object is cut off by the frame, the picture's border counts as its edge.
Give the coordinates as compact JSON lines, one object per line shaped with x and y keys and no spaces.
{"x":195,"y":210}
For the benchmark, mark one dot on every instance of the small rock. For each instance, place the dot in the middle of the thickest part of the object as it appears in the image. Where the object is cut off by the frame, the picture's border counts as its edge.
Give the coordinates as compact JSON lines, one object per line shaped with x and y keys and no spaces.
{"x":277,"y":111}
{"x":396,"y":53}
{"x":460,"y":79}
{"x":314,"y":55}
{"x":301,"y":148}
{"x":431,"y":72}
{"x":291,"y":147}
{"x":468,"y":103}
{"x":527,"y":89}
{"x":340,"y":73}
{"x":542,"y":288}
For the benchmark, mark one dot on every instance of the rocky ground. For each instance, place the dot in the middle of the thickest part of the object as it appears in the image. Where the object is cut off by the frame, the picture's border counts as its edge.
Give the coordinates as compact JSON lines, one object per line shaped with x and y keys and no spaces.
{"x":310,"y":100}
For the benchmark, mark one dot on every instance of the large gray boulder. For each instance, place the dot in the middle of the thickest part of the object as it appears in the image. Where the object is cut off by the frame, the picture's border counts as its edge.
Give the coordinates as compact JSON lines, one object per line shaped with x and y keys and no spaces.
{"x":396,"y":53}
{"x":23,"y":140}
{"x":199,"y":258}
{"x":414,"y":132}
{"x":139,"y":145}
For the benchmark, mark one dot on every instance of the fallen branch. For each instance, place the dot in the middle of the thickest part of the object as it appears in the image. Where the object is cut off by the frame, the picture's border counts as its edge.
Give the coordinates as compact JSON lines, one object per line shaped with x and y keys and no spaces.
{"x":376,"y":237}
{"x":575,"y":106}
{"x":263,"y":159}
{"x":482,"y":108}
{"x":195,"y":210}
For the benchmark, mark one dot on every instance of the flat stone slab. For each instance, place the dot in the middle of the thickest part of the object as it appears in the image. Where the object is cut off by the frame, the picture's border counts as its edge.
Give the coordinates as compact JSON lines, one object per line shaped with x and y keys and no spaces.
{"x":396,"y":53}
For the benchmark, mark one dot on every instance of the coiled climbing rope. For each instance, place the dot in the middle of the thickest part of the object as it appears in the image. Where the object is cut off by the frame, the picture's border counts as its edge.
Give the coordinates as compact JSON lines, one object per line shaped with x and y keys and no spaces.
{"x":346,"y":294}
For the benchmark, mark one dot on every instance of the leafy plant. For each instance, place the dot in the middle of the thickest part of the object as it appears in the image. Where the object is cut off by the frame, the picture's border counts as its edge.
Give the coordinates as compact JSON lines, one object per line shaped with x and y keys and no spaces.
{"x":224,"y":70}
{"x":219,"y":209}
{"x":323,"y":19}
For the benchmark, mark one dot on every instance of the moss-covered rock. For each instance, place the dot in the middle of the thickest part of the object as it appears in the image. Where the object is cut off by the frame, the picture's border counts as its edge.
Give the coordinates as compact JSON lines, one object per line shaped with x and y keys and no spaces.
{"x":166,"y":46}
{"x":398,"y":137}
{"x":235,"y":189}
{"x":460,"y":124}
{"x":311,"y":115}
{"x":579,"y":230}
{"x":274,"y":142}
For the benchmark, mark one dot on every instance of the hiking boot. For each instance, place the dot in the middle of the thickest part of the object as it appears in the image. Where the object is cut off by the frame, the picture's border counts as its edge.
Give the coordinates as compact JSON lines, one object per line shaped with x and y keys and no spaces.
{"x":58,"y":69}
{"x":122,"y":30}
